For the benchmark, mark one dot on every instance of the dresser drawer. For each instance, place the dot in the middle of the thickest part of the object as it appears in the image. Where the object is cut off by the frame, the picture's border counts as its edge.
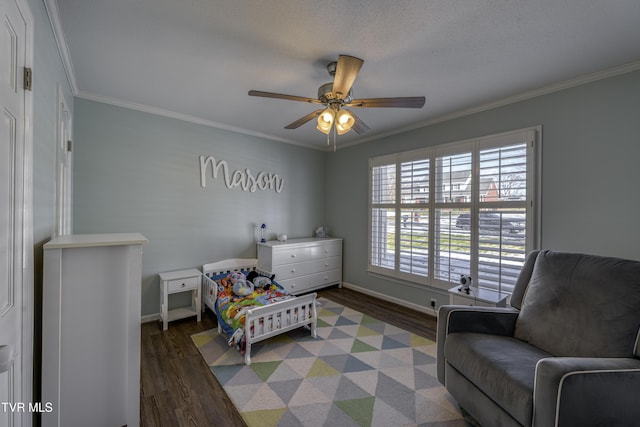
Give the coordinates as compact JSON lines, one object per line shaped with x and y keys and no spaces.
{"x":290,"y":255}
{"x":325,"y":278}
{"x":295,"y":285}
{"x":288,"y":271}
{"x":180,"y":285}
{"x":329,"y":249}
{"x":324,"y":264}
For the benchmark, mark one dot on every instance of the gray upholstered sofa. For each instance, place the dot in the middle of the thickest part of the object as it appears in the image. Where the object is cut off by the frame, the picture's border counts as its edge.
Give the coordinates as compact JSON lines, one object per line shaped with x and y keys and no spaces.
{"x":566,"y":353}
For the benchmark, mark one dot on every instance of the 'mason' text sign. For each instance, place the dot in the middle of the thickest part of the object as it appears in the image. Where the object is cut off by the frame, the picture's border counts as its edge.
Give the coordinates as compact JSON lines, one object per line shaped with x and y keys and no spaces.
{"x":244,"y":179}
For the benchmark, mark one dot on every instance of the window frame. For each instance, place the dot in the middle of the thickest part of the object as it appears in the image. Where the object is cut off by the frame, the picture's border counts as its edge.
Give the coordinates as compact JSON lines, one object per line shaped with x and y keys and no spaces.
{"x":532,"y":136}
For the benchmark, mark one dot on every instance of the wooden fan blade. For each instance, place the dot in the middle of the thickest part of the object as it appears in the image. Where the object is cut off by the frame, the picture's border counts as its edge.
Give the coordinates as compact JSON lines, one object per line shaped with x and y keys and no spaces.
{"x":305,"y":119}
{"x":401,"y":102}
{"x":359,"y":126}
{"x":346,"y":73}
{"x":283,"y":96}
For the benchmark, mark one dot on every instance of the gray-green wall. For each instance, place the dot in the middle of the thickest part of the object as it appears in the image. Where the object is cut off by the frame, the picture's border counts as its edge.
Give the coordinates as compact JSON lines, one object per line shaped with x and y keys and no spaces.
{"x":139,"y":172}
{"x":590,"y":174}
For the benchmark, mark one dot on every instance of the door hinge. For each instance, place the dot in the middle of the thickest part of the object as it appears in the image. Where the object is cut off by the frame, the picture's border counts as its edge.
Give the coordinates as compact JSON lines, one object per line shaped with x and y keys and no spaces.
{"x":28,"y":77}
{"x":68,"y":145}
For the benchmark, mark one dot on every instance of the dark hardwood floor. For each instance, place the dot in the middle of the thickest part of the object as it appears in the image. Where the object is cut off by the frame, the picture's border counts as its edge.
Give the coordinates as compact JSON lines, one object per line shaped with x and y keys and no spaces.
{"x":177,"y":388}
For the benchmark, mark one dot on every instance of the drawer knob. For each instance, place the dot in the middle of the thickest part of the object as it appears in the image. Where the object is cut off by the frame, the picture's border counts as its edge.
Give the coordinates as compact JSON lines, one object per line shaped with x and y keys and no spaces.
{"x":326,"y":264}
{"x":293,"y":270}
{"x":183,"y":285}
{"x":293,"y":255}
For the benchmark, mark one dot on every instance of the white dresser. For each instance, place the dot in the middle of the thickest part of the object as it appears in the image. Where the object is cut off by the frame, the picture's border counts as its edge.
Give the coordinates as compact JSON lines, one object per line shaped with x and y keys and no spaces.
{"x":91,"y":330}
{"x":303,"y":265}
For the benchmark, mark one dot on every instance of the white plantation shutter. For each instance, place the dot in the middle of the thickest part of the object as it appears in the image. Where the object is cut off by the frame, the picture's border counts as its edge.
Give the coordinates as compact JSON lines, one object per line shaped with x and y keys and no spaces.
{"x":452,"y":242}
{"x":461,"y":208}
{"x":382,"y":216}
{"x":413,"y":248}
{"x":502,"y":233}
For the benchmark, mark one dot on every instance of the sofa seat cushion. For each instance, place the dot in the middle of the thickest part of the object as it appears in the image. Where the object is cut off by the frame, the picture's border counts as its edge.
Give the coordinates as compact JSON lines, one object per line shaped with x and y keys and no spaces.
{"x":501,"y":367}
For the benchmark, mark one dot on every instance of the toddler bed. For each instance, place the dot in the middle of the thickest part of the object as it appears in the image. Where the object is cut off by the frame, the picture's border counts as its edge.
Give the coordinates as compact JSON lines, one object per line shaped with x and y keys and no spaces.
{"x":246,"y":318}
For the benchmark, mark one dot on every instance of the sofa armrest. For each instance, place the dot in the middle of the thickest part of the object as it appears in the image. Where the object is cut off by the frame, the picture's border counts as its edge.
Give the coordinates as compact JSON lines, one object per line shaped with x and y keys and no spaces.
{"x":464,"y":318}
{"x":572,"y":391}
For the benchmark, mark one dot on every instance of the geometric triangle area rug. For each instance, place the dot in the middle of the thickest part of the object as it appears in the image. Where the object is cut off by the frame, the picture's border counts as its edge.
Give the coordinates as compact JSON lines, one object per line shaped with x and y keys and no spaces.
{"x":359,"y":371}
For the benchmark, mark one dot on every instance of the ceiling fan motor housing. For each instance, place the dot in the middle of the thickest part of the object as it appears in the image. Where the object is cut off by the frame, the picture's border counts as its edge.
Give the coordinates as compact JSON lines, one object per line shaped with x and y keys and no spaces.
{"x":325,"y":94}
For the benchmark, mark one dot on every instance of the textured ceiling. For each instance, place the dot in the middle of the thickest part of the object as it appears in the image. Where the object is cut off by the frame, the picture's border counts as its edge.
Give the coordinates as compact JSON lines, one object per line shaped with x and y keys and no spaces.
{"x":199,"y":58}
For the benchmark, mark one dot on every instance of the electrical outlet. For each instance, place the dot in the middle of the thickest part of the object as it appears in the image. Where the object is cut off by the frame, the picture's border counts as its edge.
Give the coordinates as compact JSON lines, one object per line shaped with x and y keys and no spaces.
{"x":433,"y":303}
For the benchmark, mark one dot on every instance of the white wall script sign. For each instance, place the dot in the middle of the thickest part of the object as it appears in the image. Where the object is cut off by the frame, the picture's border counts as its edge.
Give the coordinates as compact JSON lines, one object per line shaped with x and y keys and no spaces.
{"x":243,"y":179}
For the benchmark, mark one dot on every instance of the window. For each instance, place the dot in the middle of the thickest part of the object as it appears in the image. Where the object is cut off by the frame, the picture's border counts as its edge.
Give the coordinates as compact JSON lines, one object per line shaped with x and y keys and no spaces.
{"x":461,"y":208}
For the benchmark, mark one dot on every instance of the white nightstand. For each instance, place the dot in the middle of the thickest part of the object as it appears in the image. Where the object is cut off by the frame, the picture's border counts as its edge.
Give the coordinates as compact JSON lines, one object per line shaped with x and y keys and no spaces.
{"x":173,"y":282}
{"x":477,"y":296}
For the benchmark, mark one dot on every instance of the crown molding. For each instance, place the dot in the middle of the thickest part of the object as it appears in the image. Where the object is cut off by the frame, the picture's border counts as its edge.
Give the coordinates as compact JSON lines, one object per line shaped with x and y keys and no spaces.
{"x":61,"y":41}
{"x":545,"y":90}
{"x":186,"y":118}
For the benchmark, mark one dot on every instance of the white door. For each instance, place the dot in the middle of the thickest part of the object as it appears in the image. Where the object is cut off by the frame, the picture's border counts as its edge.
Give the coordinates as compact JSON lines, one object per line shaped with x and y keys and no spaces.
{"x":16,"y":230}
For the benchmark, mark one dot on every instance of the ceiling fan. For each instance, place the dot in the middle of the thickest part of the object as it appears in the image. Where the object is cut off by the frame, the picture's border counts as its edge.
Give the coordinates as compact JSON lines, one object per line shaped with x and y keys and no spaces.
{"x":337,"y":95}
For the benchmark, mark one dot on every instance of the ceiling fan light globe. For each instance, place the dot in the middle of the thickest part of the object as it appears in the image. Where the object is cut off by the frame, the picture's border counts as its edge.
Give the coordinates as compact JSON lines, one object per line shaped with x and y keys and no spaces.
{"x":325,"y":121}
{"x":342,"y":129}
{"x":344,"y":122}
{"x":327,"y":116}
{"x":324,"y":129}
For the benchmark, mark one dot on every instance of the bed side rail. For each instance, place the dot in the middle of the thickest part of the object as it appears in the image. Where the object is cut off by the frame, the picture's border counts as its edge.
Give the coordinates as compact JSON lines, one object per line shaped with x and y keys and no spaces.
{"x":274,"y":319}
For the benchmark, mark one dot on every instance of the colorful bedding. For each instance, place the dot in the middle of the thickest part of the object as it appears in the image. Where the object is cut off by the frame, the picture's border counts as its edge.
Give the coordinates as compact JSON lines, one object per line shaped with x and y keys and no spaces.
{"x":236,"y":295}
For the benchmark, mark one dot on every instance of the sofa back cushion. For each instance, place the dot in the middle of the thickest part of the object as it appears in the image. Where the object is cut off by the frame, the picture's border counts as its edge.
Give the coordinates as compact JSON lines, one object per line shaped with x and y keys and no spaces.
{"x":523,"y":280}
{"x":581,"y":306}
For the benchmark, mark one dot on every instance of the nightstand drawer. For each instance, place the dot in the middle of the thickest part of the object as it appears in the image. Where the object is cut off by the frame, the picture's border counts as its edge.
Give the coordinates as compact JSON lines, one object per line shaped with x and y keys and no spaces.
{"x":180,"y":285}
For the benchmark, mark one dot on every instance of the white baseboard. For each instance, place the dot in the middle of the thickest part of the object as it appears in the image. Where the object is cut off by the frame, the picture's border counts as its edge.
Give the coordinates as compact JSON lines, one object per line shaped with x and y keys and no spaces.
{"x":421,"y":308}
{"x":150,"y":318}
